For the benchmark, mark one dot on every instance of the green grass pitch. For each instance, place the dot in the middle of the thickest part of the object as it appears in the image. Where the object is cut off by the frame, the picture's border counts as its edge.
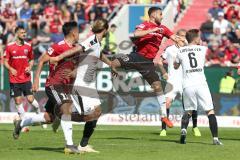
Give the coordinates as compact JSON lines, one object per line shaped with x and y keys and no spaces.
{"x":120,"y":143}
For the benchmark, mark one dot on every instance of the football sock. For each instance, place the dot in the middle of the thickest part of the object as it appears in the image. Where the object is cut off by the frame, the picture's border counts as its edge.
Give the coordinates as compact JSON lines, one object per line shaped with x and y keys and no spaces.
{"x":28,"y":121}
{"x":67,"y":128}
{"x":213,"y":125}
{"x":185,"y":120}
{"x":162,"y":102}
{"x":35,"y":104}
{"x":194,"y":118}
{"x":164,"y":126}
{"x":20,"y":110}
{"x":88,"y":131}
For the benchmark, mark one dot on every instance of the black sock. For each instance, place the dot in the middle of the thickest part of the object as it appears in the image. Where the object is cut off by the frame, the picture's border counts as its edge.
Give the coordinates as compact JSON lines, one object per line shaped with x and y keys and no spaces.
{"x":185,"y":120}
{"x":87,"y":132}
{"x":194,"y":118}
{"x":164,"y":126}
{"x":213,"y":125}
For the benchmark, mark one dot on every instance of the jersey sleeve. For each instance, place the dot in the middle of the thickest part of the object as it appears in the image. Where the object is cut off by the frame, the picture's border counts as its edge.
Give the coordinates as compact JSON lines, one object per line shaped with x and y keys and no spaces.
{"x":6,"y":54}
{"x":141,"y":26}
{"x":167,"y":32}
{"x":51,"y":50}
{"x":89,"y":43}
{"x":30,"y":54}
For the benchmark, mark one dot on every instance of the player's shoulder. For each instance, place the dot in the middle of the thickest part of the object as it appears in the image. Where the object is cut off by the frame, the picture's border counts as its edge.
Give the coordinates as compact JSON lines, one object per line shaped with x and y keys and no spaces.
{"x":143,"y":25}
{"x":27,"y":44}
{"x":58,"y":44}
{"x":10,"y":44}
{"x":172,"y":48}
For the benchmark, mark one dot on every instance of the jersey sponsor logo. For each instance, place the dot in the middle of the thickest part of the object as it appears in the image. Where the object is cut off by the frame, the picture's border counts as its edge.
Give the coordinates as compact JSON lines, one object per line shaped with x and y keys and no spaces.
{"x":19,"y":57}
{"x":14,"y":52}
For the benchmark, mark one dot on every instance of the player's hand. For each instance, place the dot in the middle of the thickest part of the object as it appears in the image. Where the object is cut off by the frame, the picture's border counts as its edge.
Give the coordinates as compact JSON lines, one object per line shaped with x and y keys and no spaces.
{"x":27,"y":69}
{"x":13,"y":71}
{"x":165,"y":76}
{"x":35,"y":86}
{"x":114,"y":72}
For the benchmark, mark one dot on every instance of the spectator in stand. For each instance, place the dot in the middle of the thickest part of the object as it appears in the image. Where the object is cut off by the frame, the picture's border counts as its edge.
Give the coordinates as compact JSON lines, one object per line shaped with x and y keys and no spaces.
{"x":92,"y":16}
{"x":207,"y":28}
{"x":221,"y":23}
{"x":213,"y":55}
{"x":231,"y":11}
{"x":25,"y":15}
{"x":65,"y":12}
{"x":79,"y":14}
{"x":50,"y":10}
{"x":216,"y":37}
{"x":55,"y":28}
{"x":215,"y":9}
{"x":231,"y":53}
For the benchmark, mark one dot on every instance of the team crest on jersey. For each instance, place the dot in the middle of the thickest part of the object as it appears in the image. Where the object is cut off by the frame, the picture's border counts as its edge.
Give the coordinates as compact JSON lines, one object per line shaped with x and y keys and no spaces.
{"x":25,"y":51}
{"x":14,"y":52}
{"x":161,"y":30}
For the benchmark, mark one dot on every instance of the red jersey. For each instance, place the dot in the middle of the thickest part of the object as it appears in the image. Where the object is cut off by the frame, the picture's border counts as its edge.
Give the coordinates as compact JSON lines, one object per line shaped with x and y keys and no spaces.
{"x":54,"y":25}
{"x":148,"y":45}
{"x":18,"y":58}
{"x":55,"y":71}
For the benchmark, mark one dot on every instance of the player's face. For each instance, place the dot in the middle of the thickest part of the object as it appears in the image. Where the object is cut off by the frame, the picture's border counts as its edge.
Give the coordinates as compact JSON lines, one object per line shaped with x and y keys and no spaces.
{"x":158,"y":16}
{"x":198,"y":39}
{"x":182,"y":34}
{"x":21,"y":34}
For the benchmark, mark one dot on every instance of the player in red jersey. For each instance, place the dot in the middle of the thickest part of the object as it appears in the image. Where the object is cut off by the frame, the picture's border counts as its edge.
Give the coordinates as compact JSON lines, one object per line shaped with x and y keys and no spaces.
{"x":57,"y":100}
{"x":18,"y":59}
{"x":148,"y":37}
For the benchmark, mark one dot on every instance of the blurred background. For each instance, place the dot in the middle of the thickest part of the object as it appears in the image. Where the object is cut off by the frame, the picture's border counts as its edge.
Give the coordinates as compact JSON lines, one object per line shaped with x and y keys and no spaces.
{"x":218,"y":21}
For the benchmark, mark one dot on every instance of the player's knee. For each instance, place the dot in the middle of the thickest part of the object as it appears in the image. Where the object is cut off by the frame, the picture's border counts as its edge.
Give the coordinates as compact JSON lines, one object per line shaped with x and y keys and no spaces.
{"x":18,"y":101}
{"x":98,"y":111}
{"x":30,"y":99}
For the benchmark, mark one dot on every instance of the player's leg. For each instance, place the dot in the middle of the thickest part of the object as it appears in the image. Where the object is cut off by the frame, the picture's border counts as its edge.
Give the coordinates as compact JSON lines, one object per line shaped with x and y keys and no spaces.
{"x":163,"y":132}
{"x":16,"y":93}
{"x":205,"y":101}
{"x":45,"y":117}
{"x":196,"y":131}
{"x":157,"y":87}
{"x":189,"y":104}
{"x":27,"y":91}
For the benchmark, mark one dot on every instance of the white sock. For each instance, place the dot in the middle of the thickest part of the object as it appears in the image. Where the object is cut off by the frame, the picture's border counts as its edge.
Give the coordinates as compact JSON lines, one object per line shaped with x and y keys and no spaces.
{"x":20,"y":110}
{"x":67,"y":128}
{"x":215,"y":138}
{"x":162,"y":102}
{"x":38,"y":118}
{"x":36,"y":105}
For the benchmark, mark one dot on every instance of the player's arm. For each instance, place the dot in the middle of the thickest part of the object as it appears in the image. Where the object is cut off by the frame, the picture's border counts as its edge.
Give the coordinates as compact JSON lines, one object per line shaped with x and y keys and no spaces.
{"x":6,"y":56}
{"x":43,"y":59}
{"x":68,"y":53}
{"x":140,"y":33}
{"x":180,"y":42}
{"x":9,"y":68}
{"x":105,"y":59}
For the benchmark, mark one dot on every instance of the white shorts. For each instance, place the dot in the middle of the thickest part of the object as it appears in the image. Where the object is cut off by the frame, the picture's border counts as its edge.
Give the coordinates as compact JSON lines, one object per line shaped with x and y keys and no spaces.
{"x":89,"y":95}
{"x":197,"y":96}
{"x":177,"y":89}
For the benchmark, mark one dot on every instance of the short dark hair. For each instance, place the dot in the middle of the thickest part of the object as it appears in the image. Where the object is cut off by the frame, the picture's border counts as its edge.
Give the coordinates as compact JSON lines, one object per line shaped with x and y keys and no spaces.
{"x":19,"y":28}
{"x":153,"y":9}
{"x":68,"y":27}
{"x":99,"y":25}
{"x":192,"y":34}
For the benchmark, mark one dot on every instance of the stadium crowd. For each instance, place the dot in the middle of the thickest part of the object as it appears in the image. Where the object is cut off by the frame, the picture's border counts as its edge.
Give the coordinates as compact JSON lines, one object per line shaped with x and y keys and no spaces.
{"x":221,"y":32}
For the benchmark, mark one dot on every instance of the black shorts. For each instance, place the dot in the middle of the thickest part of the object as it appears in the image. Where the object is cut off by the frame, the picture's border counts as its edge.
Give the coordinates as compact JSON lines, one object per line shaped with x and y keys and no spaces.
{"x":55,"y":99}
{"x":143,"y":65}
{"x":17,"y":89}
